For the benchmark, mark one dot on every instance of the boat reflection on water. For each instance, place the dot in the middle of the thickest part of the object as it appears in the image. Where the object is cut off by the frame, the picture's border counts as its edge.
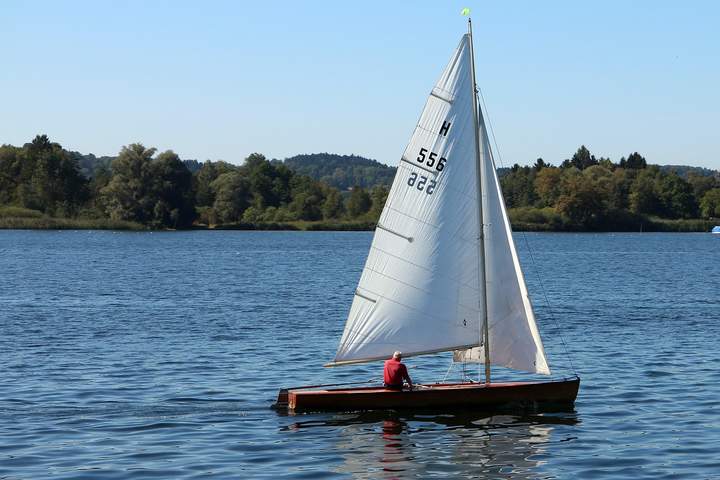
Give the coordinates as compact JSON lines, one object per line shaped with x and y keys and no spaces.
{"x":397,"y":445}
{"x":393,"y":458}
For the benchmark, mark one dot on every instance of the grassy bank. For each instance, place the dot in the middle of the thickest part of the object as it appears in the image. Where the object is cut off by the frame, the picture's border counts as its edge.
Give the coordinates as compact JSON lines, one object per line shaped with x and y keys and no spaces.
{"x":523,"y":219}
{"x":295,"y":225}
{"x":12,"y":217}
{"x":26,"y":219}
{"x":684,"y":225}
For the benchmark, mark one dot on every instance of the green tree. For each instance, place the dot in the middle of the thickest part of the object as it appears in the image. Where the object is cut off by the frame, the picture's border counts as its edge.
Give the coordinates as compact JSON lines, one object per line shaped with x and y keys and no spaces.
{"x":49,"y":178}
{"x":282,"y":214}
{"x":101,"y":178}
{"x":710,"y":203}
{"x":203,"y":178}
{"x":358,"y":203}
{"x":152,"y":191}
{"x":676,"y":196}
{"x":601,"y":179}
{"x":306,"y":206}
{"x":606,"y":163}
{"x":378,"y":195}
{"x":596,"y":173}
{"x":252,"y":215}
{"x":270,"y":184}
{"x":581,"y":159}
{"x":333,"y":207}
{"x":129,"y":194}
{"x":10,"y":173}
{"x":269,"y":215}
{"x":635,"y":161}
{"x":540,"y":164}
{"x":232,"y":196}
{"x":643,"y":194}
{"x":547,"y":185}
{"x":619,"y":190}
{"x":518,"y":186}
{"x":173,"y":192}
{"x":701,"y":184}
{"x":581,"y":202}
{"x":307,"y":198}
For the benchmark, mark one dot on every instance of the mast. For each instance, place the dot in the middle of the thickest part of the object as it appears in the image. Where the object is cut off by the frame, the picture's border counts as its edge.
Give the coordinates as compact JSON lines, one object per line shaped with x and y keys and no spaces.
{"x":485,"y":333}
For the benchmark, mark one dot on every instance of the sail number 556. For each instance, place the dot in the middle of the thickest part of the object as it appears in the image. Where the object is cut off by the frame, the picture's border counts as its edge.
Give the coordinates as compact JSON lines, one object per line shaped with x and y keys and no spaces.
{"x":422,"y":183}
{"x":430,"y":159}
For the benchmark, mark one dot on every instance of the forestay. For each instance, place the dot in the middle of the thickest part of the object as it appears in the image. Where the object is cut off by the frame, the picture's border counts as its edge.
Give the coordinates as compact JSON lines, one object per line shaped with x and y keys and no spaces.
{"x":419,"y":291}
{"x":514,"y":338}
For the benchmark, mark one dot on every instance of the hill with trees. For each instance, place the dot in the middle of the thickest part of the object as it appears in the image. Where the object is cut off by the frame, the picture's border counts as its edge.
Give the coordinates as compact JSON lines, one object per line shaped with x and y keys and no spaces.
{"x":342,"y":171}
{"x":685,"y":171}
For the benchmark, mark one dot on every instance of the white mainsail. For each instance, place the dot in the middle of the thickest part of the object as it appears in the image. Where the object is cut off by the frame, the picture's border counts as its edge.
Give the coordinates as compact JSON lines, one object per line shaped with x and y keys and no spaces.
{"x":420,"y":290}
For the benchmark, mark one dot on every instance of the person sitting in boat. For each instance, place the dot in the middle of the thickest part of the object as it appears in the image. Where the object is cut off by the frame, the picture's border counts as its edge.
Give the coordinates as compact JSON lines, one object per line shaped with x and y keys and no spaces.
{"x":396,"y":372}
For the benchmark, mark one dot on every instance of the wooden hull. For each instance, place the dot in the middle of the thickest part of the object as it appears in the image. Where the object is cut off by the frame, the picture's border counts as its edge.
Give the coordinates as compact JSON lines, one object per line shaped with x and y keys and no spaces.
{"x":447,"y":396}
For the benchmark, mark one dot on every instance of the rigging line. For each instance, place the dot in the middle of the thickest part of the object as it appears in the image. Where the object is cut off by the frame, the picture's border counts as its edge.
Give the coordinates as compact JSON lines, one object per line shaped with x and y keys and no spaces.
{"x":448,"y":371}
{"x":547,"y":302}
{"x":527,"y":243}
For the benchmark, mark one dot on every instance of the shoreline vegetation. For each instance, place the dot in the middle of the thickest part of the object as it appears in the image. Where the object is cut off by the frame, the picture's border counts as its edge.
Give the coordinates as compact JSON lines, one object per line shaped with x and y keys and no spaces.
{"x":43,"y":186}
{"x":16,"y":218}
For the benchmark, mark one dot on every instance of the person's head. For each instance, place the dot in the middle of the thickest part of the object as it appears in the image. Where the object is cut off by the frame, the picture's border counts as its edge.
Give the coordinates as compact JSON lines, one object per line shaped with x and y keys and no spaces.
{"x":397,"y":355}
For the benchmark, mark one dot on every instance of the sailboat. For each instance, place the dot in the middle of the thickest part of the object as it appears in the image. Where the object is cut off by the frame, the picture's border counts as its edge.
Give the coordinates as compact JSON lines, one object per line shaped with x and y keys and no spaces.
{"x":442,"y":273}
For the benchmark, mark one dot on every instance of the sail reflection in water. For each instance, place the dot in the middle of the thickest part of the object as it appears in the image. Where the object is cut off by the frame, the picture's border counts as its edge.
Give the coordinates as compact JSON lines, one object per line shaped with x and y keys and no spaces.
{"x":390,"y":445}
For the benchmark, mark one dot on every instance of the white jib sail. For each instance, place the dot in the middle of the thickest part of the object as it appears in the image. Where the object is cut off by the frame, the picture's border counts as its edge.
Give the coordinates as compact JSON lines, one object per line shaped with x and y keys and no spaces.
{"x":419,"y":290}
{"x":514,"y":338}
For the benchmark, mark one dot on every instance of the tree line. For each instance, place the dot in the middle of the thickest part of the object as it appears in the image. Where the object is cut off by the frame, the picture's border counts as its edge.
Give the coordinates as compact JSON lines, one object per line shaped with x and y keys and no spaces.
{"x":159,"y":190}
{"x":585,"y":192}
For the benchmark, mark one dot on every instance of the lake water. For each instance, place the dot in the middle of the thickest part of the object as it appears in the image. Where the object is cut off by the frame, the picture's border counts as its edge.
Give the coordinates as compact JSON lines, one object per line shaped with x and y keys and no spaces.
{"x":157,"y":355}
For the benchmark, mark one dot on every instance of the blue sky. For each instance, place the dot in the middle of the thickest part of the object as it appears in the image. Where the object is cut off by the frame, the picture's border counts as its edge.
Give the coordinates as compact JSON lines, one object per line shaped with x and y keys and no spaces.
{"x":221,"y":79}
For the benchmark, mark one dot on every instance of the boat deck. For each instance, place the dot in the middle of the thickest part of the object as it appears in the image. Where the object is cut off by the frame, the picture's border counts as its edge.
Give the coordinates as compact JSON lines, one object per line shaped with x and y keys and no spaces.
{"x":442,"y":395}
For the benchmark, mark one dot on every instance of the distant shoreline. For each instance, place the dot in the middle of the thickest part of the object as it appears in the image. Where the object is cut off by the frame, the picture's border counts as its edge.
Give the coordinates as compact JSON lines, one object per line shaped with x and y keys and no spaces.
{"x":60,"y":223}
{"x":45,"y":187}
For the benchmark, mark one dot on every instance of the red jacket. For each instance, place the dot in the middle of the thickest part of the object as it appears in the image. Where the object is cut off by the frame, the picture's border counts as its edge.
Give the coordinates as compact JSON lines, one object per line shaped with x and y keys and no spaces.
{"x":395,"y":372}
